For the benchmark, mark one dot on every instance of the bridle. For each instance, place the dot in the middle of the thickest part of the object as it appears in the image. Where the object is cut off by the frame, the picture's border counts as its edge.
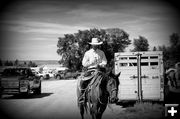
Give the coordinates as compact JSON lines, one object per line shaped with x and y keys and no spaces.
{"x":111,"y":92}
{"x":114,"y":89}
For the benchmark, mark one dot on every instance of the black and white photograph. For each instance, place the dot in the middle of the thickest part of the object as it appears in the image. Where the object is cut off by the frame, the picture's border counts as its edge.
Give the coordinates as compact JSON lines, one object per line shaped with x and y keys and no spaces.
{"x":89,"y":59}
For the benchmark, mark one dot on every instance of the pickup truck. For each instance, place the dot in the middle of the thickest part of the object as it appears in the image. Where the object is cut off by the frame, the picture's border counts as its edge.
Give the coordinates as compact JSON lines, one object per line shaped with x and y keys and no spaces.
{"x":19,"y":80}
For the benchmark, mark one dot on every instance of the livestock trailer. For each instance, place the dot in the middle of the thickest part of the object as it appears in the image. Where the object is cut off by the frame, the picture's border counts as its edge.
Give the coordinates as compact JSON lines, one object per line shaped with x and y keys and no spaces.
{"x":142,"y":75}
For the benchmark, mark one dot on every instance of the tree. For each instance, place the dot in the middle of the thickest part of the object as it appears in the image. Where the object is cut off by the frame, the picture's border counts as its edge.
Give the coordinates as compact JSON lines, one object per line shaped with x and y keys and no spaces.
{"x":32,"y":64}
{"x":154,"y":48}
{"x":16,"y":62}
{"x":1,"y":63}
{"x":141,"y":44}
{"x":174,"y":49}
{"x":8,"y":63}
{"x":166,"y":56}
{"x":174,"y":39}
{"x":171,"y":54}
{"x":25,"y":63}
{"x":73,"y":46}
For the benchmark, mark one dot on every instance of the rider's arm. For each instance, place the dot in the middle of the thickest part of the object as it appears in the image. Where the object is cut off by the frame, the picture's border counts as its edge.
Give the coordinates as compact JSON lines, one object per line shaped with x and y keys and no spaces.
{"x":104,"y":60}
{"x":86,"y":61}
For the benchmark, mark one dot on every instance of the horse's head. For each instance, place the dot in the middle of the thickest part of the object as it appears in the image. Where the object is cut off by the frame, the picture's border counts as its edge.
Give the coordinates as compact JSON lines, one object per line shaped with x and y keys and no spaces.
{"x":112,"y":87}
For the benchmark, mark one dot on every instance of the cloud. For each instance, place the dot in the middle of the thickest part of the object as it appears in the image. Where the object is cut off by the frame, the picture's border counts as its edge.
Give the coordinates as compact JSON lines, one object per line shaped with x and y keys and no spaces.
{"x":36,"y":25}
{"x":40,"y":27}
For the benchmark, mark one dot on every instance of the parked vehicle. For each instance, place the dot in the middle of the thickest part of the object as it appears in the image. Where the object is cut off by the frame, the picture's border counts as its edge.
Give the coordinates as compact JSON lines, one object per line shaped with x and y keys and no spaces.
{"x":19,"y":80}
{"x":42,"y":75}
{"x":65,"y":74}
{"x":60,"y":74}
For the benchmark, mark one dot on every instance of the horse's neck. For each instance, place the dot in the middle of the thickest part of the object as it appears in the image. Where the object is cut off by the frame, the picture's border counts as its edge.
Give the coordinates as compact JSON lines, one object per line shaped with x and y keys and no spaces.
{"x":99,"y":81}
{"x":103,"y":84}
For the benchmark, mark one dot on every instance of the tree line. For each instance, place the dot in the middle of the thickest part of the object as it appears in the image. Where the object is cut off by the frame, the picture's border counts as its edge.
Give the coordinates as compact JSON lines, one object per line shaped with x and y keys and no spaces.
{"x":18,"y":63}
{"x":71,"y":47}
{"x":171,"y":53}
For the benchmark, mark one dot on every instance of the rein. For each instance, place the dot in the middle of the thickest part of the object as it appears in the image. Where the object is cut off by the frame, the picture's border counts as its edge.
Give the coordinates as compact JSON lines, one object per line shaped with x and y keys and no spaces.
{"x":110,"y":107}
{"x":114,"y":89}
{"x":109,"y":97}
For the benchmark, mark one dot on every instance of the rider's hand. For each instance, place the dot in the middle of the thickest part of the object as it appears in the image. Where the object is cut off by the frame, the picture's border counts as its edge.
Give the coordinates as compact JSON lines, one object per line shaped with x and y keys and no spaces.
{"x":101,"y":65}
{"x":101,"y":68}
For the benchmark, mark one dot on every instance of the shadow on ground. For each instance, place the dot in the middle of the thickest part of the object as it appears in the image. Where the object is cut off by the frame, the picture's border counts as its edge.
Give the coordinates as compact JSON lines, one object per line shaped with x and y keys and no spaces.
{"x":30,"y":96}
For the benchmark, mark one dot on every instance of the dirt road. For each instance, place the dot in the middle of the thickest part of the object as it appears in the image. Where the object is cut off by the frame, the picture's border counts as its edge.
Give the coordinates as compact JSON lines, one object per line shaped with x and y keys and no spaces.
{"x":57,"y":101}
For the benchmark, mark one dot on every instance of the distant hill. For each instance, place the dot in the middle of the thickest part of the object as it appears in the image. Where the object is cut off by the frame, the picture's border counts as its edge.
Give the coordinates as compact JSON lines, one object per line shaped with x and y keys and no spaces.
{"x":37,"y":62}
{"x":44,"y":62}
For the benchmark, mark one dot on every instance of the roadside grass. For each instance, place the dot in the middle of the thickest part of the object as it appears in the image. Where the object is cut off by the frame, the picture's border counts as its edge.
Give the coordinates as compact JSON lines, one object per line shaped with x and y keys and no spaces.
{"x":146,"y":110}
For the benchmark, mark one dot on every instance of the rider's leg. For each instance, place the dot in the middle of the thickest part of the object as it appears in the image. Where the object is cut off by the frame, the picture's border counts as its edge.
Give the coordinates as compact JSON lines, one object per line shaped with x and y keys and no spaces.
{"x":83,"y":86}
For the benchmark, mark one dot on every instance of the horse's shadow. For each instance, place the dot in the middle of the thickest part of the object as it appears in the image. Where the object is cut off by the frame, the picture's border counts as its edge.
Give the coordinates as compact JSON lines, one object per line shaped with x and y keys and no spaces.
{"x":126,"y":104}
{"x":30,"y":96}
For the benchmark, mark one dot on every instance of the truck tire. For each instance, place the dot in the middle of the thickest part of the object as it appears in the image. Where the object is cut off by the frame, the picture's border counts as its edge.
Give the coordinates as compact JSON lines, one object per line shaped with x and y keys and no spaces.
{"x":38,"y":90}
{"x":41,"y":78}
{"x":58,"y":77}
{"x":26,"y":93}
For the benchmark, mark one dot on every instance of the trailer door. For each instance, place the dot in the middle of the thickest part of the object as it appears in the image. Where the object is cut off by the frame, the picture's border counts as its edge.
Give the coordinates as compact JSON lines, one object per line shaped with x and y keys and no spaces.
{"x":126,"y":63}
{"x":151,"y":75}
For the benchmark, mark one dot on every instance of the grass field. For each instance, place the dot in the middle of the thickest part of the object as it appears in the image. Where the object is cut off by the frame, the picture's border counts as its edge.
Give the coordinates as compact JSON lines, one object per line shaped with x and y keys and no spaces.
{"x":144,"y":110}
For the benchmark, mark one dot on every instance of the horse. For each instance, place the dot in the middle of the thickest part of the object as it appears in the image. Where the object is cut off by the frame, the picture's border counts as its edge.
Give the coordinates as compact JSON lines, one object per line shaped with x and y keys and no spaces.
{"x":170,"y":76}
{"x":101,"y":91}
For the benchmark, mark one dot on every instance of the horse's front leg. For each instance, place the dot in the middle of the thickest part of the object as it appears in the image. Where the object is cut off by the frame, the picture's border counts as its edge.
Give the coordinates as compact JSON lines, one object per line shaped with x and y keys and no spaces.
{"x":81,"y":107}
{"x":101,"y":111}
{"x":94,"y":111}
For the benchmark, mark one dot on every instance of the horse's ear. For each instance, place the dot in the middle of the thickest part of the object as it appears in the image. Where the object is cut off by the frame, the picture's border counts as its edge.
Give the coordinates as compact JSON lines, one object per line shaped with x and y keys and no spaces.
{"x":110,"y":73}
{"x":118,"y":74}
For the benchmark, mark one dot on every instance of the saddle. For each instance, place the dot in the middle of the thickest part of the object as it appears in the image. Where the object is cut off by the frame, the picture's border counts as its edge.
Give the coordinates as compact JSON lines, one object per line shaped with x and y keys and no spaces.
{"x":87,"y":75}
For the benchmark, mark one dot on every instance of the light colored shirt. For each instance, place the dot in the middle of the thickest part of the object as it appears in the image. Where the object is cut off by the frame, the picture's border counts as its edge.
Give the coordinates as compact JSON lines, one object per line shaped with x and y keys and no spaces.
{"x":93,"y":58}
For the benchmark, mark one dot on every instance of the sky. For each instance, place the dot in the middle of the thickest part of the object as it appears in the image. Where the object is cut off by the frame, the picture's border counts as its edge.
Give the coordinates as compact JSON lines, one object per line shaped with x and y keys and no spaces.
{"x":29,"y":29}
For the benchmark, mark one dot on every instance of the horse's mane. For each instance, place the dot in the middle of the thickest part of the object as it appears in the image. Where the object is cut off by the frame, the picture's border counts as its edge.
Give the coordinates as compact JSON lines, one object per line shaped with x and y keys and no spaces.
{"x":102,"y":80}
{"x":98,"y":80}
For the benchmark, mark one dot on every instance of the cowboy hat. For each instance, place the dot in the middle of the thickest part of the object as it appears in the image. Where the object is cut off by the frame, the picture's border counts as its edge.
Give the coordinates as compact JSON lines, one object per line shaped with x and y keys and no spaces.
{"x":95,"y":41}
